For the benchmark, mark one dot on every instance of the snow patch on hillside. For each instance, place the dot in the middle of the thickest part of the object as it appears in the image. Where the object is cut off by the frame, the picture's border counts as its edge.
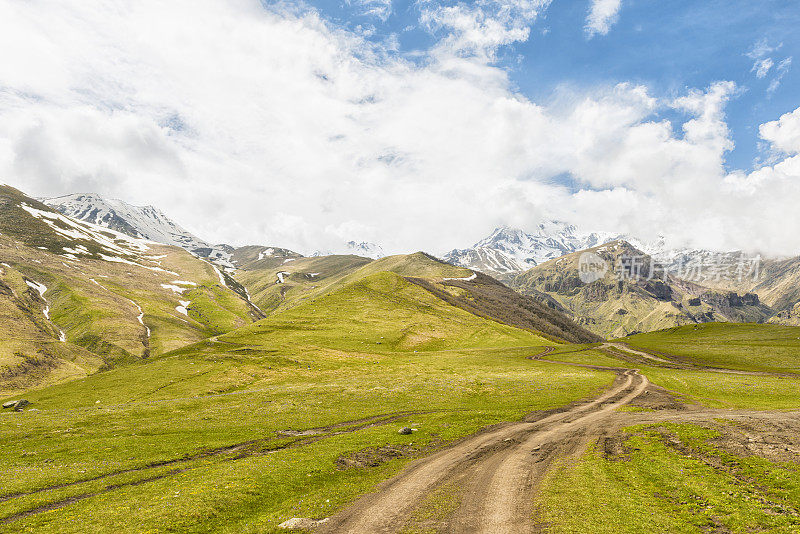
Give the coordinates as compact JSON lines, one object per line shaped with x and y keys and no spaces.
{"x":41,"y":289}
{"x":176,"y":289}
{"x":113,"y":242}
{"x":465,"y":279}
{"x":183,"y":308}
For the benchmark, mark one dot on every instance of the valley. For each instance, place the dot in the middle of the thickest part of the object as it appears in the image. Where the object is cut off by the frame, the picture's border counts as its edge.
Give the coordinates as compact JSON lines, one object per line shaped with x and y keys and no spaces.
{"x":399,"y":267}
{"x":273,"y":392}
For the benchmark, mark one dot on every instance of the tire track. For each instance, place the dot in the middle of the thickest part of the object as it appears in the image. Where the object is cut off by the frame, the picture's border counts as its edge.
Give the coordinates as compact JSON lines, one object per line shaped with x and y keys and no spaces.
{"x":497,"y":469}
{"x":261,"y":446}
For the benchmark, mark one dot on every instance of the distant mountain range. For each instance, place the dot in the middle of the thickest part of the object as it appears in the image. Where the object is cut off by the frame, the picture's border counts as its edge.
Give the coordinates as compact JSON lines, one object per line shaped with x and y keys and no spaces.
{"x":542,"y":264}
{"x":150,"y":223}
{"x":77,"y":296}
{"x":626,"y":297}
{"x":365,"y":249}
{"x":508,"y":250}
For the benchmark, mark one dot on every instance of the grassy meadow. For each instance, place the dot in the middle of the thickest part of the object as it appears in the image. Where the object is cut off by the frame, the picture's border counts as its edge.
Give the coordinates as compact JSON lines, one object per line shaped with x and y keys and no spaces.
{"x":229,"y":425}
{"x":745,"y":347}
{"x":293,"y":416}
{"x":671,"y":478}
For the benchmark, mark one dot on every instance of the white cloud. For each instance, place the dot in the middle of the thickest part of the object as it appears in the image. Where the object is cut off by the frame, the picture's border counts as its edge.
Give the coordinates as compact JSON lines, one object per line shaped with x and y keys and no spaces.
{"x":762,"y":48}
{"x":780,"y":72}
{"x":381,"y":9}
{"x":480,"y":28}
{"x":256,"y":126}
{"x":761,"y":52}
{"x":784,"y":133}
{"x":762,"y":66}
{"x":602,"y":15}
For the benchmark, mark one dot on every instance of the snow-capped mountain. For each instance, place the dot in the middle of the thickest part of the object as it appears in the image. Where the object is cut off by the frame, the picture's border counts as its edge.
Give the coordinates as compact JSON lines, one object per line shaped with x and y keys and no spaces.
{"x":486,"y":260}
{"x":511,"y":250}
{"x":364,"y":249}
{"x":144,"y":222}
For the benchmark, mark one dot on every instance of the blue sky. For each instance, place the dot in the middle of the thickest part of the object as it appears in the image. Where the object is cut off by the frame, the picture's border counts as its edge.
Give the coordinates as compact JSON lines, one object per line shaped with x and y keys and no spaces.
{"x":667,"y":45}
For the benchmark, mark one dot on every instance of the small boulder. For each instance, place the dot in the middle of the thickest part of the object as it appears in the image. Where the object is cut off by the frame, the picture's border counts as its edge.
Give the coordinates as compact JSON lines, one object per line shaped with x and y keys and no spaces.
{"x":20,"y":405}
{"x":301,"y":523}
{"x":9,"y":404}
{"x":405,"y":431}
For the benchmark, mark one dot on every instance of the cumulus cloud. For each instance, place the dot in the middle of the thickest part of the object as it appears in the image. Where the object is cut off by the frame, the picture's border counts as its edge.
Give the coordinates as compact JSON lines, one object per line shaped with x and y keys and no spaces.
{"x":479,"y":29}
{"x":251,"y":124}
{"x":784,"y":133}
{"x":602,"y":15}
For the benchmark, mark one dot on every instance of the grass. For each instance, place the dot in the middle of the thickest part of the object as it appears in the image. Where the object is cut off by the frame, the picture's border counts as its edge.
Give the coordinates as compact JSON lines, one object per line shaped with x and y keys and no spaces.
{"x":382,"y":312}
{"x":208,"y":417}
{"x":747,"y":347}
{"x":708,"y":388}
{"x":720,"y":390}
{"x":179,"y":406}
{"x":583,"y":354}
{"x":671,"y":479}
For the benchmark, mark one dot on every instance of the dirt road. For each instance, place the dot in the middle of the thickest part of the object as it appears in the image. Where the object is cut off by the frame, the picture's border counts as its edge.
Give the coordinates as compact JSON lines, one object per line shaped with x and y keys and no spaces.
{"x":491,"y":478}
{"x":496,"y":470}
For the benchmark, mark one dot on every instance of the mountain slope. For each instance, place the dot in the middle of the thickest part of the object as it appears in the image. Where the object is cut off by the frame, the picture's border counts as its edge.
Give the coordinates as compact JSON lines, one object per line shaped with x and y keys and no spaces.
{"x":145,"y":222}
{"x":776,"y":281}
{"x":307,"y":279}
{"x":611,"y":306}
{"x":78,"y":297}
{"x":486,"y":297}
{"x":380,"y":312}
{"x":293,"y":280}
{"x":278,"y":283}
{"x":487,"y":260}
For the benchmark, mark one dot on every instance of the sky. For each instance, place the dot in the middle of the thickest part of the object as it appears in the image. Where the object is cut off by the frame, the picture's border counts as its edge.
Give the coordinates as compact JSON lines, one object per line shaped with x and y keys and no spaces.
{"x":414,"y":124}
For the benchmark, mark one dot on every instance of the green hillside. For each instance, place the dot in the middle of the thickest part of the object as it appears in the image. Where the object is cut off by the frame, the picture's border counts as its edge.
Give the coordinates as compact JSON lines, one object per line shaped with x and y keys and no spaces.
{"x":378,"y":313}
{"x":747,"y":347}
{"x":76,"y":298}
{"x":300,"y":279}
{"x":294,"y":415}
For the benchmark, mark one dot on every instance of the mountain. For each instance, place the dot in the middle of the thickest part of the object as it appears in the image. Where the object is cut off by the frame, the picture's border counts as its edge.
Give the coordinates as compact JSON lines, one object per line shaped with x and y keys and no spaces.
{"x":144,"y":222}
{"x":776,"y":281}
{"x":511,"y":250}
{"x":641,"y":300}
{"x":253,"y":257}
{"x":76,"y":298}
{"x":282,"y":286}
{"x":365,"y":249}
{"x":149,"y":223}
{"x":486,"y":260}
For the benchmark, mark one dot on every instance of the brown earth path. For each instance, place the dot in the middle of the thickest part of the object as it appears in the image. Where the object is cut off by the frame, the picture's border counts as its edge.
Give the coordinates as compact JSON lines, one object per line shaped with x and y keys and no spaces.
{"x":496,"y":472}
{"x":496,"y":469}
